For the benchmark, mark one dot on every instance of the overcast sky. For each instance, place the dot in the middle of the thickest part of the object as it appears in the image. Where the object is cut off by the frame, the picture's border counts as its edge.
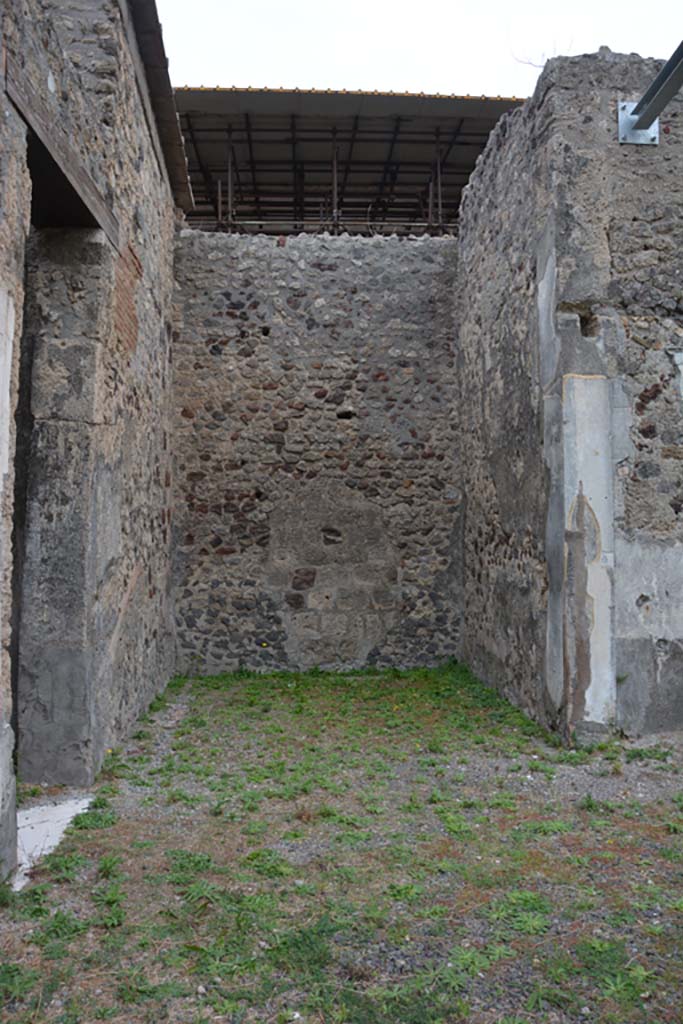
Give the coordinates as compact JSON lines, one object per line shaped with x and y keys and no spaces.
{"x":447,"y":46}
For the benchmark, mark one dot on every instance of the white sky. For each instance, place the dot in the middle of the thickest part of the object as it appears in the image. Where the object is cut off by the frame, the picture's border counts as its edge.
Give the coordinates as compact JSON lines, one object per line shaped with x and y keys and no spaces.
{"x":448,"y":46}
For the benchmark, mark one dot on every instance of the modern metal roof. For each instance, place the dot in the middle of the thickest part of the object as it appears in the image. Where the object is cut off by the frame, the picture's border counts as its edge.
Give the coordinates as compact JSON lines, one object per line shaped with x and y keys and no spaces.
{"x":286,"y":160}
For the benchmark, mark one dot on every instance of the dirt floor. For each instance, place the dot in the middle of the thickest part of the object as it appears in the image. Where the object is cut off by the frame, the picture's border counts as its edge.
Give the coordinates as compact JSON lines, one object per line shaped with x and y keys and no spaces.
{"x":388,"y":848}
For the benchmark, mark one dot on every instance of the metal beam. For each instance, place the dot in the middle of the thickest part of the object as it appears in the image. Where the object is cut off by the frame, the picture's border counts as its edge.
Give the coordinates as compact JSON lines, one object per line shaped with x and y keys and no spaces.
{"x":307,"y":134}
{"x":208,"y":183}
{"x":390,"y":153}
{"x":295,"y":191}
{"x":252,"y":163}
{"x":335,"y":180}
{"x":452,"y":141}
{"x":413,"y":166}
{"x":236,"y":167}
{"x":663,"y":89}
{"x":282,"y":196}
{"x":439,"y":203}
{"x":349,"y":157}
{"x":231,"y":183}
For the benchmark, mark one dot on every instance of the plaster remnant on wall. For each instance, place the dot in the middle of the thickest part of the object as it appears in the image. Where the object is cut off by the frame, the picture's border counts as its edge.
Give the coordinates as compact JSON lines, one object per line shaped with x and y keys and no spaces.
{"x":678,"y":363}
{"x":549,"y":342}
{"x":7,"y":323}
{"x":589,"y":516}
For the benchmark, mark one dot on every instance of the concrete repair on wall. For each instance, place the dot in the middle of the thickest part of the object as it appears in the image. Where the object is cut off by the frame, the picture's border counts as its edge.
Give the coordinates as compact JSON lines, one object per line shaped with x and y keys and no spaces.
{"x":328,"y":450}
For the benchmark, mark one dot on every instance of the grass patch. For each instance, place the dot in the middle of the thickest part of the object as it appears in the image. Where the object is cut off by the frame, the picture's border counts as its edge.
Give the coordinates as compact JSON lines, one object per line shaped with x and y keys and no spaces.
{"x":362,"y":848}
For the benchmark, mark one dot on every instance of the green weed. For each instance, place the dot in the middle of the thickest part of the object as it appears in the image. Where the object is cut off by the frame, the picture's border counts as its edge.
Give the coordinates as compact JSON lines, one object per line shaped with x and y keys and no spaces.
{"x":16,"y":981}
{"x":268,"y":864}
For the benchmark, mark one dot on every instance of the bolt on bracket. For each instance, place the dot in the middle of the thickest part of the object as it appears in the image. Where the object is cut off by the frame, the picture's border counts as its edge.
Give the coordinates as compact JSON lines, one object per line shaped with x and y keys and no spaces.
{"x":635,"y":136}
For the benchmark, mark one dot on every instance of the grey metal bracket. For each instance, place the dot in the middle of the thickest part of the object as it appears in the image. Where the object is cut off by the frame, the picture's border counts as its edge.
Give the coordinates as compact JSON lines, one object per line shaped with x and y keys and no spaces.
{"x":638,"y":122}
{"x":635,"y":136}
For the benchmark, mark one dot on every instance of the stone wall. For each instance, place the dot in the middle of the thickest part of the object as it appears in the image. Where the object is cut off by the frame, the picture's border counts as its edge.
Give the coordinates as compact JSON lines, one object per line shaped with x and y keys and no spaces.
{"x":386,"y":451}
{"x":623,"y":277}
{"x":570,"y":291}
{"x":14,"y":214}
{"x":497,"y":408}
{"x":95,"y":450}
{"x":317,"y":501}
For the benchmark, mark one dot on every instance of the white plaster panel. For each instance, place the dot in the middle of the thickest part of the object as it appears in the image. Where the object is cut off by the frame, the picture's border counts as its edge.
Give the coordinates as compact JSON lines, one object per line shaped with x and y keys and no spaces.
{"x":587,"y":432}
{"x":549,"y":345}
{"x":6,"y":349}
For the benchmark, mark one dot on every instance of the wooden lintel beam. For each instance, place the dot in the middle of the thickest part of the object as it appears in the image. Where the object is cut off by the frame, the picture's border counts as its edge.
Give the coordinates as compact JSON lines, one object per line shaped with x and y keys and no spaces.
{"x":40,"y":119}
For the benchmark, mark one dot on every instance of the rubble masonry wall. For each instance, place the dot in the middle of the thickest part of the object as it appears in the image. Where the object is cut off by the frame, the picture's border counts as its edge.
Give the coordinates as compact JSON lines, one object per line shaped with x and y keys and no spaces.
{"x":571,"y":299}
{"x":96,"y":636}
{"x":317,"y":499}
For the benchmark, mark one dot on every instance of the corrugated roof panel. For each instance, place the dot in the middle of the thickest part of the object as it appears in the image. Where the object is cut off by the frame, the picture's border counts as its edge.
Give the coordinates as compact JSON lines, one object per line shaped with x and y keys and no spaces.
{"x":402,"y":160}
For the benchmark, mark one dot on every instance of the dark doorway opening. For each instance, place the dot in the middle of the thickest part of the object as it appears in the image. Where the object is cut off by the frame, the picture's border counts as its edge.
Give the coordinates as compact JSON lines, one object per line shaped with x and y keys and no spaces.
{"x":54,"y":201}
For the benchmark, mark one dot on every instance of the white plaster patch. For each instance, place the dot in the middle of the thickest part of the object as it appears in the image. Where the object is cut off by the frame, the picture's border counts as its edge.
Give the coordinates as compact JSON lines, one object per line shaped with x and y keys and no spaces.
{"x":678,"y":362}
{"x":549,"y":342}
{"x":6,"y":349}
{"x":40,"y":830}
{"x":587,"y":423}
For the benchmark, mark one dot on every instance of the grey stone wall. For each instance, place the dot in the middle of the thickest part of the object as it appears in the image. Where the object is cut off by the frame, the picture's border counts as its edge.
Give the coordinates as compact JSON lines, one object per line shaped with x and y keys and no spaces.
{"x":14,"y":212}
{"x":96,"y":637}
{"x":386,"y":451}
{"x":497,"y":408}
{"x":317,"y":501}
{"x":96,"y":633}
{"x":623,"y":275}
{"x":573,"y":518}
